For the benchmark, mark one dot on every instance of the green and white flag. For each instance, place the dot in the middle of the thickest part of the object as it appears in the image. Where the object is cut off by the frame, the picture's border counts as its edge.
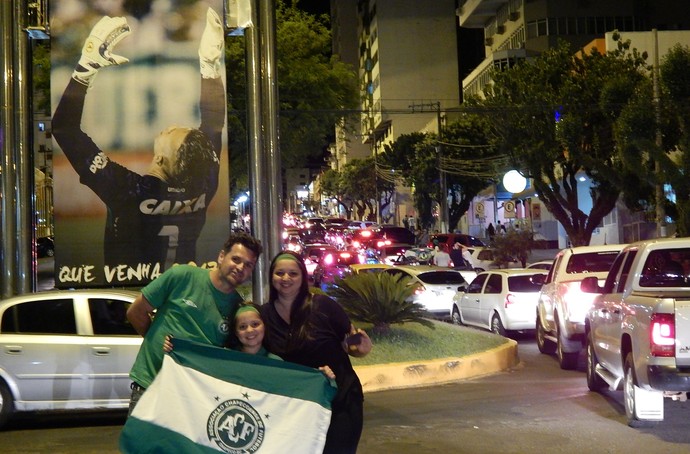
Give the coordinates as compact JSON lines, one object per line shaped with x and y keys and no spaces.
{"x":208,"y":399}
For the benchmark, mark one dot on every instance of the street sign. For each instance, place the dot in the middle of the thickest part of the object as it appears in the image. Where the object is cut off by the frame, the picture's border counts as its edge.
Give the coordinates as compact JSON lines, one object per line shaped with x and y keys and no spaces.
{"x":509,"y":209}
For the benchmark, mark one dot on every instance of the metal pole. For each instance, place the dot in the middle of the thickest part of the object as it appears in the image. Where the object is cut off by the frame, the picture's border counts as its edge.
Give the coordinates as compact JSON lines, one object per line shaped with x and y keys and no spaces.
{"x":7,"y":140}
{"x":256,"y":162}
{"x":23,"y":155}
{"x":270,"y":111}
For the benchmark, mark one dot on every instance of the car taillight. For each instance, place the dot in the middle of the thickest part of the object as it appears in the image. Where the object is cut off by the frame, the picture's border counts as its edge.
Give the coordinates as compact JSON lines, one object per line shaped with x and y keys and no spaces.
{"x":328,"y":260}
{"x":510,"y":299}
{"x":419,"y":290}
{"x":662,"y":335}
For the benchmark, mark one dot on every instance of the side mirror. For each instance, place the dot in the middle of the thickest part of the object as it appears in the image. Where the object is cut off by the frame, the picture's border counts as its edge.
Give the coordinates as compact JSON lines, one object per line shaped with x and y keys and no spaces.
{"x":590,"y":285}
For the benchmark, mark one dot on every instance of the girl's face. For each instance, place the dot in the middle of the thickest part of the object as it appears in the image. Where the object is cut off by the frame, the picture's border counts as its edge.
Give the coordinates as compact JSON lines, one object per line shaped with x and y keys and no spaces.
{"x":287,"y":278}
{"x":249,"y":329}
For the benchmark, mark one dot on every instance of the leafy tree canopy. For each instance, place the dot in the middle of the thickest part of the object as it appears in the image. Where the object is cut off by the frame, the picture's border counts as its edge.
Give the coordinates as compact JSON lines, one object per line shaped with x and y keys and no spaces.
{"x":314,"y":89}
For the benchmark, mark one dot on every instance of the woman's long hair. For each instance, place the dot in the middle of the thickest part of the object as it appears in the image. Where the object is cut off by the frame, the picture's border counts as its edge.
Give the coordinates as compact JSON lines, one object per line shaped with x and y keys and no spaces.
{"x":302,"y":306}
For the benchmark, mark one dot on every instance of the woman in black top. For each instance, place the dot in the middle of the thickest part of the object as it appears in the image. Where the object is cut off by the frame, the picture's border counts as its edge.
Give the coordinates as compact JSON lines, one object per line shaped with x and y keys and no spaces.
{"x":313,"y":330}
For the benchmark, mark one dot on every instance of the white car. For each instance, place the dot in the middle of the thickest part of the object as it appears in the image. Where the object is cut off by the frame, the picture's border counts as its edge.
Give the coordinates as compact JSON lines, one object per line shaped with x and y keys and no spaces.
{"x":499,"y":300}
{"x":482,"y":259}
{"x":66,"y":350}
{"x":438,"y":285}
{"x":562,"y":306}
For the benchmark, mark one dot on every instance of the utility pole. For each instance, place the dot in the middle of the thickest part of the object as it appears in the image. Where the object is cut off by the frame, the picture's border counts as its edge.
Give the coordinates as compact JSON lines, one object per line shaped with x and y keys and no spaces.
{"x":443,"y":189}
{"x":660,"y":197}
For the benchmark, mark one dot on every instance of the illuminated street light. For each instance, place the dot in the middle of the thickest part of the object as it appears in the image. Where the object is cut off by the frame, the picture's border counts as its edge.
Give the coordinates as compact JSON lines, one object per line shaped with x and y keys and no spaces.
{"x":514,"y":182}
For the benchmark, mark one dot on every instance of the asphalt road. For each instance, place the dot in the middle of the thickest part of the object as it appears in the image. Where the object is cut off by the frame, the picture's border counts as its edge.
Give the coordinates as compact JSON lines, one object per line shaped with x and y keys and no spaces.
{"x":537,"y":407}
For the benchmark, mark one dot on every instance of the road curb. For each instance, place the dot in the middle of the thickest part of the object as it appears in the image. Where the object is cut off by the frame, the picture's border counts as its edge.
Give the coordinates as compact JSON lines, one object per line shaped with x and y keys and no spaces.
{"x":438,"y":371}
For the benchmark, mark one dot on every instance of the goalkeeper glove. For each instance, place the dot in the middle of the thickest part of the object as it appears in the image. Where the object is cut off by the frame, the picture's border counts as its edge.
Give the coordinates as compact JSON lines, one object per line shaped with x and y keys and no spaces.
{"x":211,"y":46}
{"x":97,"y":50}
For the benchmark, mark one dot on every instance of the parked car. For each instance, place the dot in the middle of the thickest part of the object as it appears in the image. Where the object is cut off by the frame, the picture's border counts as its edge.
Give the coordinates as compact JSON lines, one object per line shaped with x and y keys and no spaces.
{"x":637,"y":328}
{"x":392,"y":235}
{"x":313,"y":253}
{"x":499,"y":300}
{"x":562,"y":305}
{"x":66,"y":350}
{"x":334,"y":265}
{"x":45,"y":246}
{"x":393,"y":254}
{"x":437,"y":286}
{"x":482,"y":259}
{"x":368,"y":267}
{"x":541,"y":265}
{"x":449,"y":239}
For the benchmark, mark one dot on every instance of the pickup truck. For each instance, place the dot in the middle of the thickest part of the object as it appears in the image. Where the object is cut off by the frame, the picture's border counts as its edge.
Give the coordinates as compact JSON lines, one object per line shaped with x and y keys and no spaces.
{"x":638,"y":327}
{"x":561,"y":306}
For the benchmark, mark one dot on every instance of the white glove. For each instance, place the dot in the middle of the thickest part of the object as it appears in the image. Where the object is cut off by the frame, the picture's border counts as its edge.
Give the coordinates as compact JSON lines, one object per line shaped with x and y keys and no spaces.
{"x":97,"y":50}
{"x":211,"y":46}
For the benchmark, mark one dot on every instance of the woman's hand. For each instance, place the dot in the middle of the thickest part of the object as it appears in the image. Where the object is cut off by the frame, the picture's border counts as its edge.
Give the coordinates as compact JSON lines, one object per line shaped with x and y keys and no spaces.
{"x":357,"y":343}
{"x":327,"y":372}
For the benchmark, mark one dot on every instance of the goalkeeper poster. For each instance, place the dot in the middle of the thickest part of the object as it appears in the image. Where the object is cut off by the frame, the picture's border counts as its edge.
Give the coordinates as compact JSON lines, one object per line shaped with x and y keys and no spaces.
{"x":140,"y":152}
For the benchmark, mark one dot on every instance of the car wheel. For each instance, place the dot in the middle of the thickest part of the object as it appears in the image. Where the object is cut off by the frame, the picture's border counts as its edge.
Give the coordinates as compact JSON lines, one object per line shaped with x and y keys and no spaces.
{"x":629,"y":388}
{"x":594,"y":381}
{"x":497,"y":326}
{"x":6,"y":403}
{"x":567,"y":360}
{"x":544,"y":345}
{"x":455,"y":317}
{"x":50,"y":252}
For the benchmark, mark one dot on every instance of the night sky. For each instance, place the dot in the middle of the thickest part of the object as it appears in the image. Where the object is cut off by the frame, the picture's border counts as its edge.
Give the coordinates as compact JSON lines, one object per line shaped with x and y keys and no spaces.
{"x":315,"y":6}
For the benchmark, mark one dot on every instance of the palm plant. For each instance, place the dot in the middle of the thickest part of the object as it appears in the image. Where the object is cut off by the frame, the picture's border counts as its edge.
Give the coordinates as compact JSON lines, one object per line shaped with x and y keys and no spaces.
{"x":380,"y":299}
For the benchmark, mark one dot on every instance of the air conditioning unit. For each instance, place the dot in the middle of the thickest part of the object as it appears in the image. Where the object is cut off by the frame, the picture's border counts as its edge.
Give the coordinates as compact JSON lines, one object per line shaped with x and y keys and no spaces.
{"x":488,"y":41}
{"x":515,"y":15}
{"x":501,"y":29}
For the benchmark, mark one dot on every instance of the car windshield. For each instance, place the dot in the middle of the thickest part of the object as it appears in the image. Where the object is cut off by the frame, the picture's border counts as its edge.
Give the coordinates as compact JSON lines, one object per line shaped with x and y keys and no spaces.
{"x":591,"y":262}
{"x":441,"y":277}
{"x":522,"y":284}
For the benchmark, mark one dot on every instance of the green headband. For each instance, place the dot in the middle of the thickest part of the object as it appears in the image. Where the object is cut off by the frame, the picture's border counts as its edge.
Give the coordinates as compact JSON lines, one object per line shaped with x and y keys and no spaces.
{"x":245,"y":308}
{"x":286,"y":256}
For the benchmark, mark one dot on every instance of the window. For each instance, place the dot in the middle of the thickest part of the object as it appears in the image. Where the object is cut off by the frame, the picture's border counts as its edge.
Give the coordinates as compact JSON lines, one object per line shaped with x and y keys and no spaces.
{"x":477,"y":284}
{"x":40,"y":317}
{"x":494,"y":284}
{"x":109,"y":316}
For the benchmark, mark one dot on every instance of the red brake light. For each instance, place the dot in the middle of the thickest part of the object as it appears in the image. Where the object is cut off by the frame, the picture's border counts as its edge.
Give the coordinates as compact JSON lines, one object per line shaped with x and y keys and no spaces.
{"x":662,"y":335}
{"x":366,"y":233}
{"x":328,"y":260}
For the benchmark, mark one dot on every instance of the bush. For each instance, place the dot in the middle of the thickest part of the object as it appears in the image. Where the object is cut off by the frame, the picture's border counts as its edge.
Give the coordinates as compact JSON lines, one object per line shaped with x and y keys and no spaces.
{"x":380,"y":299}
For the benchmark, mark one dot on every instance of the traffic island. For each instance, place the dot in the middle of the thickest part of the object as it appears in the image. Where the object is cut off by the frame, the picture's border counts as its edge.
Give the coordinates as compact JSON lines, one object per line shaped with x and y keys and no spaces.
{"x":433,"y":372}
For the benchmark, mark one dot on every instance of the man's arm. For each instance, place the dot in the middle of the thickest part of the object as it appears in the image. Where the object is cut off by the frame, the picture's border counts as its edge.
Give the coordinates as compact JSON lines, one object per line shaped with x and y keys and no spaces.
{"x":140,"y":314}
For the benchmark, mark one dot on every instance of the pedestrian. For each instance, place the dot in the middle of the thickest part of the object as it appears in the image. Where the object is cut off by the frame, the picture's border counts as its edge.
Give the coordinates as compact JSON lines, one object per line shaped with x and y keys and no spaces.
{"x":314,"y":330}
{"x":456,"y":256}
{"x":191,"y":303}
{"x":441,"y":257}
{"x":156,"y":218}
{"x":490,"y":231}
{"x":406,"y":222}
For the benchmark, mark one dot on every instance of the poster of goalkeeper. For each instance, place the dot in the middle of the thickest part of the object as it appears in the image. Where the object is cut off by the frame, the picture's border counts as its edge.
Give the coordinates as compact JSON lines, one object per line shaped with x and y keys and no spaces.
{"x":138,"y":131}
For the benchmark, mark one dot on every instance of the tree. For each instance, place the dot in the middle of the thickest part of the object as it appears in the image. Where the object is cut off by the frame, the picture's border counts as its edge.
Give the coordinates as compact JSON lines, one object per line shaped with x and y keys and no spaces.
{"x":554,"y":116}
{"x":462,"y":154}
{"x":357,"y":186}
{"x":514,"y":243}
{"x":675,"y":79}
{"x":314,"y":89}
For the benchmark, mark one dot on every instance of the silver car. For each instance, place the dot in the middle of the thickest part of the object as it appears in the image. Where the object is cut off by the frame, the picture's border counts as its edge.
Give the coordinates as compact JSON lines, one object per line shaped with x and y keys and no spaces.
{"x":66,"y":350}
{"x":500,"y":301}
{"x":437,"y":285}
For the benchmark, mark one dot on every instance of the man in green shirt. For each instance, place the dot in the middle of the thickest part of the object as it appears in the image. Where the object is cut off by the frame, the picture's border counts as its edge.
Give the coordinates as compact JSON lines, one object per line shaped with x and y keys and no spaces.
{"x":192,"y":303}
